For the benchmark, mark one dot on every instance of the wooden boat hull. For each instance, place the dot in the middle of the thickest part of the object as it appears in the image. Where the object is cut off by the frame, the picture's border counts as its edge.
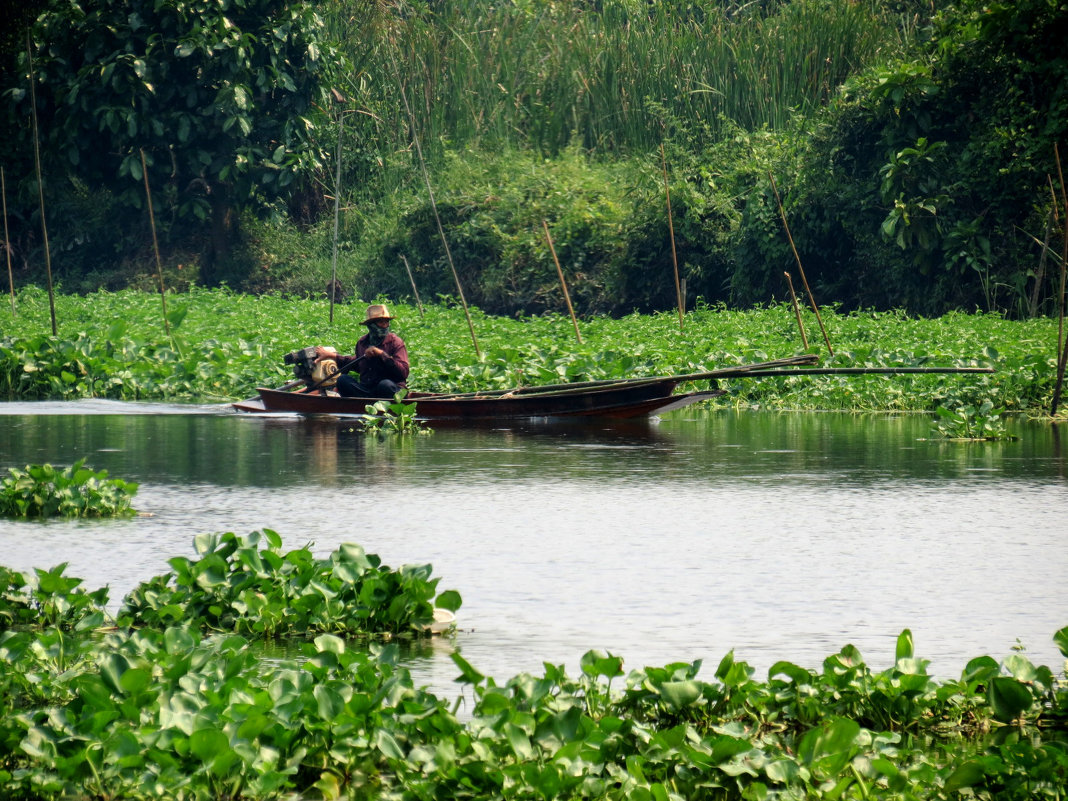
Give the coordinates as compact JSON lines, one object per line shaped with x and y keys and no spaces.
{"x":625,"y":398}
{"x":636,"y":399}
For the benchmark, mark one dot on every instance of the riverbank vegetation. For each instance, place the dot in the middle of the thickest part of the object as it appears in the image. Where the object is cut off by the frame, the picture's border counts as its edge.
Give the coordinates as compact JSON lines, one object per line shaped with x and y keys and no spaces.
{"x":221,"y":345}
{"x":911,"y":144}
{"x":156,"y":707}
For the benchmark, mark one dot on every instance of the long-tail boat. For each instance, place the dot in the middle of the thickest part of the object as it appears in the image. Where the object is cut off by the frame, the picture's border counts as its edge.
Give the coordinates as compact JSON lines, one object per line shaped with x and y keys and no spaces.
{"x":623,"y":398}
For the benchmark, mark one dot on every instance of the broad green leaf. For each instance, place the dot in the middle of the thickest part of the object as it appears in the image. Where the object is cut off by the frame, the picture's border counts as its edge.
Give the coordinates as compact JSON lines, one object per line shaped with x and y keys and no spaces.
{"x":176,"y":315}
{"x":795,"y":673}
{"x":494,"y":701}
{"x":680,"y":694}
{"x":598,"y":663}
{"x":112,"y":666}
{"x":828,"y":748}
{"x":1008,"y":698}
{"x":468,"y":674}
{"x":1021,"y":668}
{"x":905,"y":648}
{"x":388,"y":745}
{"x":450,"y":600}
{"x":135,"y":679}
{"x":274,"y":539}
{"x":783,"y":771}
{"x":1061,"y":639}
{"x":329,"y":700}
{"x":968,"y":774}
{"x":980,"y":669}
{"x":330,"y":643}
{"x":208,"y":743}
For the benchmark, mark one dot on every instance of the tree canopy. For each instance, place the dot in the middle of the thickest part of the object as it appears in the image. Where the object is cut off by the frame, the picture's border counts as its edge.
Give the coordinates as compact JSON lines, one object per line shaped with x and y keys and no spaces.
{"x":221,"y":97}
{"x":912,"y":143}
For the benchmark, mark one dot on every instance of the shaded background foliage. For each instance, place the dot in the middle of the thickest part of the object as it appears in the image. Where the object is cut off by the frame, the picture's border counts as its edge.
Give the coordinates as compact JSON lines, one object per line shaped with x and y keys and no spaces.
{"x":912,"y":144}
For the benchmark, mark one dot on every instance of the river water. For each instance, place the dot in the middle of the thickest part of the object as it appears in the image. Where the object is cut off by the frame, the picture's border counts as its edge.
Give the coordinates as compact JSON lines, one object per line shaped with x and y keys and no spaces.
{"x":775,"y":535}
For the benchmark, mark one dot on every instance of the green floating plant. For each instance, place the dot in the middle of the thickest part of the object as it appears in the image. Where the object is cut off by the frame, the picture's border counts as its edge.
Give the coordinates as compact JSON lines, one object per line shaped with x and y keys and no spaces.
{"x":77,"y":491}
{"x":46,"y":598}
{"x":169,"y":712}
{"x":392,"y":417}
{"x":247,"y":585}
{"x":969,"y":422}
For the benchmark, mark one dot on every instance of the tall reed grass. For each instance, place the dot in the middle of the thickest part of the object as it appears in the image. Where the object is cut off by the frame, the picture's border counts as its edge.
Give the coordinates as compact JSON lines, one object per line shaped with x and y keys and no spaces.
{"x":613,"y":75}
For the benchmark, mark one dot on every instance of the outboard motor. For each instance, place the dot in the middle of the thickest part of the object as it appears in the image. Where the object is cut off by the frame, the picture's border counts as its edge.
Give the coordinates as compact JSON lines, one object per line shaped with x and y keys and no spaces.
{"x":322,"y":375}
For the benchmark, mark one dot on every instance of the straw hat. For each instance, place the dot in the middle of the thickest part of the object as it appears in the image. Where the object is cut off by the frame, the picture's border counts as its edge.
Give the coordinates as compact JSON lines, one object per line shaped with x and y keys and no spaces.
{"x":377,"y":312}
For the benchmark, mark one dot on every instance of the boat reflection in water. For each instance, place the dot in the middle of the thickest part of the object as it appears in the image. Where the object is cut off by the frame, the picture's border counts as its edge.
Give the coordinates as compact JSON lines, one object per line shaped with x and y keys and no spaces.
{"x":336,"y":450}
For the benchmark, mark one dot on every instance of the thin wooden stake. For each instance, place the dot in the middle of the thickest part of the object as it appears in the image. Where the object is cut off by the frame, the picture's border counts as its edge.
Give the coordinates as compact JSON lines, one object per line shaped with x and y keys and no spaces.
{"x":411,"y":278}
{"x":800,"y":269}
{"x":1051,"y":219}
{"x":1040,"y":274}
{"x":40,"y":189}
{"x":1062,"y":345}
{"x":797,"y":310}
{"x":434,"y":205}
{"x":155,"y":244}
{"x":671,"y":231}
{"x":337,"y":214}
{"x":7,"y":241}
{"x":563,"y":283}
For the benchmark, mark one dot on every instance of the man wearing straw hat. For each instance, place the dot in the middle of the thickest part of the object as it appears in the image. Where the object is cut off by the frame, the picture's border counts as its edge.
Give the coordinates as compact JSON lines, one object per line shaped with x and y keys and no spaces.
{"x":381,"y":358}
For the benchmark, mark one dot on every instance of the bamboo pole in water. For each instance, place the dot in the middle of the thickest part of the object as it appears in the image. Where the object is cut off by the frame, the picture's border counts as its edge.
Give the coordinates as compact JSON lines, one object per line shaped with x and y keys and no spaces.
{"x":671,"y":232}
{"x":1062,"y":346}
{"x":411,"y":278}
{"x":7,"y":241}
{"x":155,"y":244}
{"x":797,"y":310}
{"x":433,"y":204}
{"x":40,"y":189}
{"x":800,"y":268}
{"x":563,"y":283}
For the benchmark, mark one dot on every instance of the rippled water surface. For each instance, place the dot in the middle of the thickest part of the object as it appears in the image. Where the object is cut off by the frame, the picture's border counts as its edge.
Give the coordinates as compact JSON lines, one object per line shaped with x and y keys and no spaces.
{"x":780,"y":536}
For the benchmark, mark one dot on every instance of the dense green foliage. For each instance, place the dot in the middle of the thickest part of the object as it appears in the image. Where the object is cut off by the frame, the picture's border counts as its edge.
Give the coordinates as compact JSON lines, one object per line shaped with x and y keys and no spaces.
{"x":219,"y":98}
{"x":968,"y":422}
{"x":223,"y":345}
{"x":49,"y":599}
{"x":76,"y":491}
{"x":237,"y":585}
{"x":947,"y":157}
{"x":912,"y":144}
{"x":167,"y":713}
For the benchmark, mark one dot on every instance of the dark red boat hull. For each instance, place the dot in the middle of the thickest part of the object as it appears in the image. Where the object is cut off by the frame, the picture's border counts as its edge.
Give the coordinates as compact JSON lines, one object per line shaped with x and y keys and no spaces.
{"x":627,"y":400}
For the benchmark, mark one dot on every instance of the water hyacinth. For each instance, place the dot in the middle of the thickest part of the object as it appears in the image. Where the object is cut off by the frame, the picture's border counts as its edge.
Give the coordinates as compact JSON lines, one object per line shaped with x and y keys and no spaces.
{"x":75,"y":491}
{"x":167,"y":711}
{"x":166,"y":714}
{"x":247,"y":585}
{"x":225,"y":345}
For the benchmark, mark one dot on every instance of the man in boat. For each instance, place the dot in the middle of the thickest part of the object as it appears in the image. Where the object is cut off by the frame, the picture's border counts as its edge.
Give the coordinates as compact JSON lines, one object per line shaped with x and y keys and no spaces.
{"x":381,"y":359}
